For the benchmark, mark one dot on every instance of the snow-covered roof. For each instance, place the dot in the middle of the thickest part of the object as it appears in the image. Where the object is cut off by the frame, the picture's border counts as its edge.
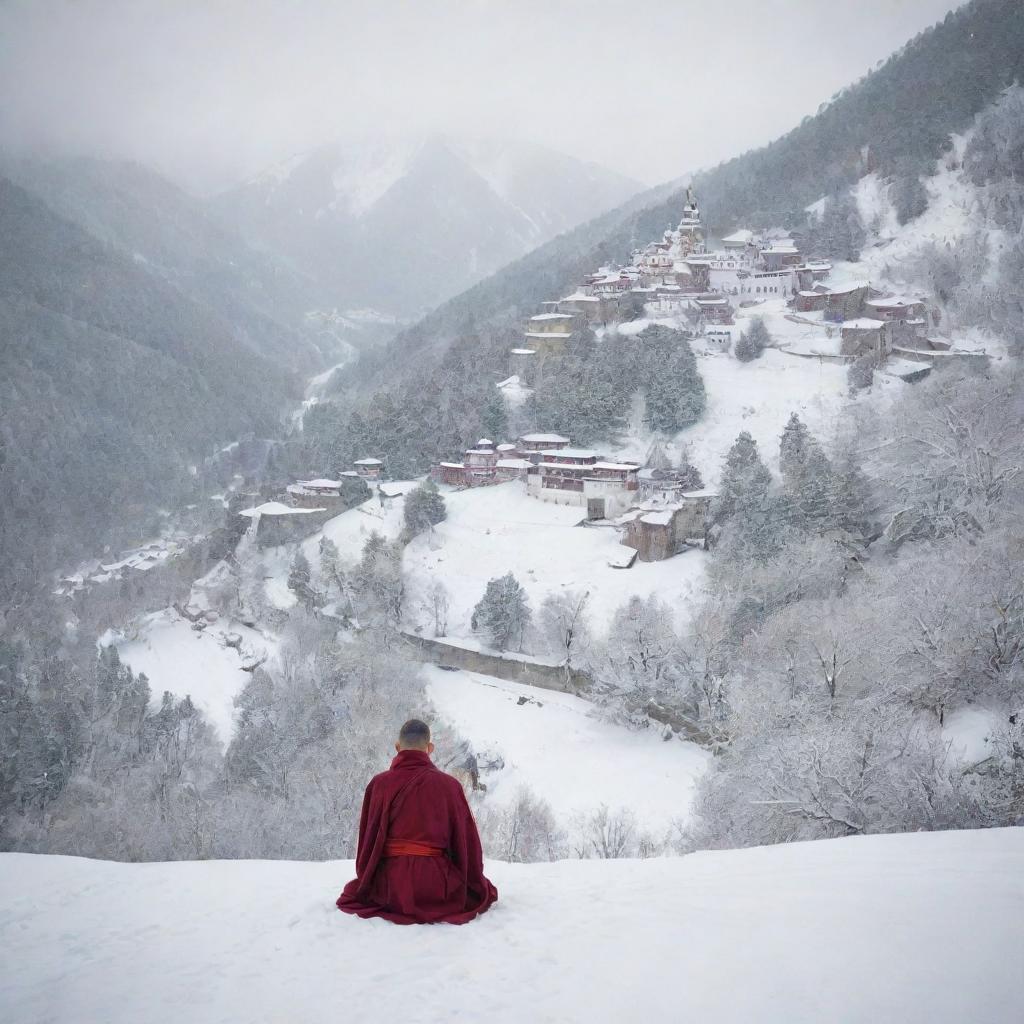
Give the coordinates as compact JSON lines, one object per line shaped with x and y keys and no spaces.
{"x":506,"y":447}
{"x":740,"y":237}
{"x":552,"y":316}
{"x":890,"y":301}
{"x":615,"y":465}
{"x":275,"y":508}
{"x":703,"y":493}
{"x":452,"y":465}
{"x":483,"y":441}
{"x":781,"y":250}
{"x":544,"y":439}
{"x":658,"y":518}
{"x":319,"y":482}
{"x":480,"y":451}
{"x":573,"y":453}
{"x":548,"y":334}
{"x":847,"y":287}
{"x":580,"y":297}
{"x":367,"y":462}
{"x":810,"y":295}
{"x":514,"y":464}
{"x":863,"y":323}
{"x":524,"y":352}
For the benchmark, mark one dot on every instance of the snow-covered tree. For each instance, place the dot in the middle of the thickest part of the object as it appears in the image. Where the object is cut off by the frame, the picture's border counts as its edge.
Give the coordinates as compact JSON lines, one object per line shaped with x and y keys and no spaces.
{"x":808,"y":487}
{"x":300,"y":581}
{"x":752,"y":342}
{"x":565,"y":626}
{"x":503,"y":613}
{"x":424,"y":508}
{"x":642,"y":647}
{"x":745,"y":480}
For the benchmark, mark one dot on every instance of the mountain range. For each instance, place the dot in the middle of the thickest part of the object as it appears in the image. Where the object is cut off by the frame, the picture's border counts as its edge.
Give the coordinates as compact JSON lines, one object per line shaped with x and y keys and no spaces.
{"x":402,"y":225}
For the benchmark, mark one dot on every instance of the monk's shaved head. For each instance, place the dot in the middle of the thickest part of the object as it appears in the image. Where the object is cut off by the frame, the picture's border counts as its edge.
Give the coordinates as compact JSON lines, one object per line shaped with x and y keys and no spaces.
{"x":414,"y":735}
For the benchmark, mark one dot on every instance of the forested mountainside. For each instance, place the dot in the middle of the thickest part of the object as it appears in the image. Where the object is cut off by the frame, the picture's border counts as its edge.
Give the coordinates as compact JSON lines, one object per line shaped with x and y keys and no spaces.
{"x":114,"y":380}
{"x":895,"y":121}
{"x":400,"y":226}
{"x":172,"y":235}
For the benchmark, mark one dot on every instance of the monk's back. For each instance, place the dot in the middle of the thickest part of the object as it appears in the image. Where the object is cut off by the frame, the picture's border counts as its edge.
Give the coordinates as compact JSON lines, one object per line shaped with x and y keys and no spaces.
{"x":419,"y":858}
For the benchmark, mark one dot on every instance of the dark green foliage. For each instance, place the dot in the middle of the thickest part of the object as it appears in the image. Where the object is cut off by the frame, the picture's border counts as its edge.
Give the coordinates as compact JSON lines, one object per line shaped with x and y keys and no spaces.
{"x":745,"y":480}
{"x":752,"y":342}
{"x":585,"y":393}
{"x":744,"y":509}
{"x":669,"y":377}
{"x":300,"y":580}
{"x":503,"y":613}
{"x":839,"y":233}
{"x":806,"y":477}
{"x":424,"y":507}
{"x":909,"y":197}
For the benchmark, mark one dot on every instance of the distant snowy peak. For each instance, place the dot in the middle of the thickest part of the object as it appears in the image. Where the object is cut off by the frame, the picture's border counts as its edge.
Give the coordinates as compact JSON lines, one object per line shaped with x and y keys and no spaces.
{"x":402,"y":224}
{"x":348,"y":178}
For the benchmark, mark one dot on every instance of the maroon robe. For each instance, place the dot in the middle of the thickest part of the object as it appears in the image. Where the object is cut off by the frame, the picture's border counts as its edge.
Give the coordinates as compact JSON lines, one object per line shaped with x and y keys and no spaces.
{"x":416,"y":801}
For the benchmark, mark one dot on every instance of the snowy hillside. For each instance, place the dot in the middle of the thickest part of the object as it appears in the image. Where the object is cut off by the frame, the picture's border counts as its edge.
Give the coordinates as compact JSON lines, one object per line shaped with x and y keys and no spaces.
{"x":401,"y":224}
{"x":921,"y":929}
{"x":494,"y":530}
{"x":558,"y":746}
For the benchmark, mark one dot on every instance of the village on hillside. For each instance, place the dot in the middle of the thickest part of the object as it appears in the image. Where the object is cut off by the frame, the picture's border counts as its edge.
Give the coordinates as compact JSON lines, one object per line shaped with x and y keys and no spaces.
{"x":818,"y":312}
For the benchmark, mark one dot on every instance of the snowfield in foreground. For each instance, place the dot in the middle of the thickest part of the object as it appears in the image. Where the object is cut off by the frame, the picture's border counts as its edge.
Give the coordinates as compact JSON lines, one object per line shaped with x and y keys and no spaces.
{"x":912,"y":928}
{"x":557,"y":744}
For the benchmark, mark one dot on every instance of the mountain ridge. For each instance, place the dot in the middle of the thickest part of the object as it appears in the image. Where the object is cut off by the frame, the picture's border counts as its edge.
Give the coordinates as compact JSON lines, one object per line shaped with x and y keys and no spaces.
{"x":380,"y":225}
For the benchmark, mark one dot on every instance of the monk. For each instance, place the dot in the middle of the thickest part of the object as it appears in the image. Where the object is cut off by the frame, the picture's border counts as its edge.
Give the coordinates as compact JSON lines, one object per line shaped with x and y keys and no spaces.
{"x":419,"y":859}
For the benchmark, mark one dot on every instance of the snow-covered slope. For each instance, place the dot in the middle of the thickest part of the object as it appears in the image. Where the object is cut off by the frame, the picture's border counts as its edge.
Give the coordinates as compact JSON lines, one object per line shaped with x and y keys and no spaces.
{"x":402,"y":224}
{"x":921,"y":929}
{"x":494,"y":530}
{"x":559,"y":746}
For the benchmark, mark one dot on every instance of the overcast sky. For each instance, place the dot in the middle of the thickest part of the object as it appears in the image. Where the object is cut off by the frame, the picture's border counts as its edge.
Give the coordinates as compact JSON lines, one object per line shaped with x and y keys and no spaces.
{"x":212,"y":91}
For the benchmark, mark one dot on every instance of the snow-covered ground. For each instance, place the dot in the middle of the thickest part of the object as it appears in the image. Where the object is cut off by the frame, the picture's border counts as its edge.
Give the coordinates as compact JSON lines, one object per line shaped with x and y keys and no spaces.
{"x":758,"y":396}
{"x":557,"y":744}
{"x":494,"y":530}
{"x":181,"y":660}
{"x":922,"y":929}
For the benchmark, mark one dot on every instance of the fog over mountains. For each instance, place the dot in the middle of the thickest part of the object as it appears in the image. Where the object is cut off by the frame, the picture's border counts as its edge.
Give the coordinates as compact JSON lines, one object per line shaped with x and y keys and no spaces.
{"x":401,"y":225}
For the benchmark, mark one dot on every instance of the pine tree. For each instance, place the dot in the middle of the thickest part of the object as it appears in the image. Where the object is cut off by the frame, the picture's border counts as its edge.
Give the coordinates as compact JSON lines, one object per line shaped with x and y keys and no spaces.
{"x":503,"y":613}
{"x":850,"y":498}
{"x":494,"y":415}
{"x":424,"y":508}
{"x":806,"y":476}
{"x":752,"y":342}
{"x":656,"y":458}
{"x":689,"y":475}
{"x":300,"y":580}
{"x":668,"y":373}
{"x":745,"y":480}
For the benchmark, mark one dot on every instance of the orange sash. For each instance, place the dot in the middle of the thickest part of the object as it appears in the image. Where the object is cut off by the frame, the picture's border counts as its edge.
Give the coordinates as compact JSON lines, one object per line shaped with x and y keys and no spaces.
{"x":410,"y":848}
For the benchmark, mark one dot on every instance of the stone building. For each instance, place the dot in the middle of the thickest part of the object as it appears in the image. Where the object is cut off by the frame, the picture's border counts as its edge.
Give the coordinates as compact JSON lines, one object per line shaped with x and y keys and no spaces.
{"x":657,"y":531}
